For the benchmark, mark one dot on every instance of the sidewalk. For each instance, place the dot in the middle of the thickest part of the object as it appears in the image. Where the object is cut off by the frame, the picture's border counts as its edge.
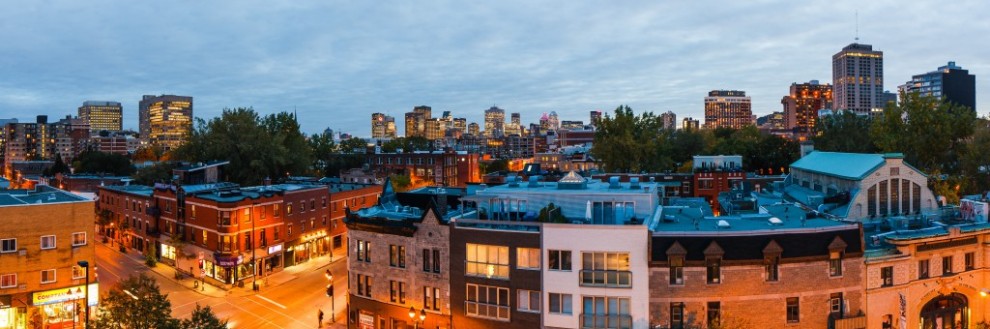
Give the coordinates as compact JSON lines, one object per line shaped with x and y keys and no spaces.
{"x":271,"y":281}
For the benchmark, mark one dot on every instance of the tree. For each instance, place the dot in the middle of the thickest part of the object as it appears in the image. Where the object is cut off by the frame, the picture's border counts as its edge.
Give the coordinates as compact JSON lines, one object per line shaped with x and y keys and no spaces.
{"x":976,"y":161}
{"x":92,"y":161}
{"x":322,"y":147}
{"x":354,"y":145}
{"x":148,"y":153}
{"x":928,"y":131}
{"x":844,"y":132}
{"x":400,"y":182}
{"x":295,"y":154}
{"x":495,"y":166}
{"x":773,"y":154}
{"x":58,"y":168}
{"x":629,"y":143}
{"x":203,"y":318}
{"x":150,"y":309}
{"x":156,"y":173}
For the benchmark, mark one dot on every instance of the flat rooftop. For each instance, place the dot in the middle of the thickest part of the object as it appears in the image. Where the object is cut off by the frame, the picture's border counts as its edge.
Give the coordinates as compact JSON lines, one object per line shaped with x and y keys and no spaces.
{"x":42,"y":194}
{"x":140,"y":190}
{"x":690,"y":220}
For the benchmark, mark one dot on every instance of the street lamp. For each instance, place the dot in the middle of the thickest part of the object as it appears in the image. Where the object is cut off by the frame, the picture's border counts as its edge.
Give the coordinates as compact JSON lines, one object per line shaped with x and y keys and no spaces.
{"x":254,"y":262}
{"x":85,"y":265}
{"x":412,"y":315}
{"x":329,"y":276}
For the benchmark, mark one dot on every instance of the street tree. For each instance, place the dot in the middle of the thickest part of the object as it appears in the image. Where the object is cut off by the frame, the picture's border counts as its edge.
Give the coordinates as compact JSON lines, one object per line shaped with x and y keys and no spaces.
{"x":929,"y":131}
{"x":976,"y":161}
{"x":203,"y":318}
{"x":135,"y":302}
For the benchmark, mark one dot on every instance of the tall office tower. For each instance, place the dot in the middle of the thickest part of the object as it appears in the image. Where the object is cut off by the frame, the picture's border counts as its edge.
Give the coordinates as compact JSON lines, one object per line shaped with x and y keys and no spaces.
{"x":801,"y":106}
{"x":950,"y":82}
{"x":515,"y":126}
{"x":728,"y":108}
{"x":857,"y":79}
{"x":595,"y":116}
{"x":669,"y":120}
{"x":690,"y":123}
{"x":460,"y":124}
{"x":553,"y":121}
{"x":889,"y":97}
{"x":435,"y":129}
{"x":416,"y":121}
{"x":494,"y":122}
{"x":166,"y":120}
{"x":382,"y":126}
{"x":102,"y":115}
{"x":473,"y":129}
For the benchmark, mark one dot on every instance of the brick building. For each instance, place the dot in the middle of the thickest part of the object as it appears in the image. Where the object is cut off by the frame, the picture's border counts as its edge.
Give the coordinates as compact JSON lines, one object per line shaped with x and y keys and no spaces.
{"x":41,"y":283}
{"x":454,"y":169}
{"x":714,"y":174}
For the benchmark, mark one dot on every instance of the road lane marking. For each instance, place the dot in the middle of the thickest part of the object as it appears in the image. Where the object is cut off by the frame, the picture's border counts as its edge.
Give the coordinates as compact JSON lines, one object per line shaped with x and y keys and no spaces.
{"x":245,"y":311}
{"x":272,"y":301}
{"x":275,"y":311}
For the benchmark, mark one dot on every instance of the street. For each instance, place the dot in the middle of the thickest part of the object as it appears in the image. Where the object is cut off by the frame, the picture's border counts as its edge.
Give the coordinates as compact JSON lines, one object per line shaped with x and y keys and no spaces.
{"x":292,"y":299}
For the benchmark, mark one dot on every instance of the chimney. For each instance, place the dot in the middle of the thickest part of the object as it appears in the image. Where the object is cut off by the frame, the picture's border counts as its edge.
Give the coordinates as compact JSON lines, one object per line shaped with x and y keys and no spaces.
{"x":807,"y":147}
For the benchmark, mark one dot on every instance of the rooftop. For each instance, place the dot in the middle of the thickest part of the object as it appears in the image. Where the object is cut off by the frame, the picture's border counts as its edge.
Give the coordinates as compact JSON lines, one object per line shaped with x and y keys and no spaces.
{"x":690,"y":220}
{"x":41,"y":194}
{"x":141,"y":190}
{"x":853,"y":166}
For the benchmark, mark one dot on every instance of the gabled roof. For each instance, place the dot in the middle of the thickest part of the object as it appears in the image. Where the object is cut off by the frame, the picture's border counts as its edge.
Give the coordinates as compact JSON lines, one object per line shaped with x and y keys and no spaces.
{"x":853,"y":166}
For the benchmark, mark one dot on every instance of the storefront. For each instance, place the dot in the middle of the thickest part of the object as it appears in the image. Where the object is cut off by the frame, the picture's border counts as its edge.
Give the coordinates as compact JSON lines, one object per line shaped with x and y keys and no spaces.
{"x":273,"y":262}
{"x":12,"y":317}
{"x":62,"y":308}
{"x":168,"y":254}
{"x":310,"y":246}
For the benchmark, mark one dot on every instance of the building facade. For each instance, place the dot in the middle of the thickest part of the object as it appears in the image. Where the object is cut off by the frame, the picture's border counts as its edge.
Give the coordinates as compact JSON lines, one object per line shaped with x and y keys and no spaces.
{"x":950,"y":82}
{"x":802,"y":104}
{"x":382,"y":126}
{"x":165,"y":120}
{"x":728,"y":109}
{"x":668,"y":120}
{"x":102,"y":115}
{"x":42,"y":285}
{"x":494,"y":122}
{"x":429,"y":168}
{"x":857,"y":79}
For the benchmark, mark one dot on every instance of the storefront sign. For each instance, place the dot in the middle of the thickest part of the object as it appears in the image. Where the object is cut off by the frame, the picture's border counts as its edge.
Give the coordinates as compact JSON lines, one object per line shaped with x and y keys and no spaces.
{"x":275,"y":249}
{"x":66,"y":294}
{"x":228,"y":261}
{"x":366,"y":320}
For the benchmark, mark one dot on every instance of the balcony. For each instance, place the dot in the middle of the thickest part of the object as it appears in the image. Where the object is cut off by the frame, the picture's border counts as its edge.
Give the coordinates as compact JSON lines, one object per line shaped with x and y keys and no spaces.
{"x":606,"y":321}
{"x":481,"y":310}
{"x":604,"y":278}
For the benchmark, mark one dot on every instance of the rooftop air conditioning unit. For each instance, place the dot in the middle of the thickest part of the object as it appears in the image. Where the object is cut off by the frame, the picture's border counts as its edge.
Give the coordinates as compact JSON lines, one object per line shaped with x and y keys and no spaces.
{"x":723,"y":224}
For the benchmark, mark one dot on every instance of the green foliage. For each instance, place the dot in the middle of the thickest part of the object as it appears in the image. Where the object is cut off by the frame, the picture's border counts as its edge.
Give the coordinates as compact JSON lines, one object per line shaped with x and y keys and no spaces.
{"x":337,"y":162}
{"x":629,"y":143}
{"x":159,"y":172}
{"x":58,"y":168}
{"x":976,"y":161}
{"x":407,"y":144}
{"x":844,"y":132}
{"x":354,"y":145}
{"x":927,"y":130}
{"x":151,"y":308}
{"x":256,"y":147}
{"x":203,"y":318}
{"x":97,"y":162}
{"x":148,"y":153}
{"x":323,"y":148}
{"x":400,"y":182}
{"x":495,"y":166}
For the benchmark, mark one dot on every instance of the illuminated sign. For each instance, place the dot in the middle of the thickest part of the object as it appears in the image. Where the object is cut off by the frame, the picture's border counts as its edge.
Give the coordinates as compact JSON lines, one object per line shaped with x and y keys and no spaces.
{"x":66,"y":294}
{"x":275,"y":249}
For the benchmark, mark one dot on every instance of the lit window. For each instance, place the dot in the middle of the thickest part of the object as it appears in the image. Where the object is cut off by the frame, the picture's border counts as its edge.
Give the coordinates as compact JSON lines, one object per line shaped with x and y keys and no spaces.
{"x":78,"y":239}
{"x":8,"y":280}
{"x":78,"y":272}
{"x":47,"y":242}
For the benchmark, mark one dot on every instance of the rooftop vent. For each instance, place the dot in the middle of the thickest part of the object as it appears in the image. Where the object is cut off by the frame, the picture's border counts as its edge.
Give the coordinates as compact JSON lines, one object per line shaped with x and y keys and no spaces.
{"x":723,"y":224}
{"x":634,"y":183}
{"x":775,"y":221}
{"x":534,"y":181}
{"x":613,"y":182}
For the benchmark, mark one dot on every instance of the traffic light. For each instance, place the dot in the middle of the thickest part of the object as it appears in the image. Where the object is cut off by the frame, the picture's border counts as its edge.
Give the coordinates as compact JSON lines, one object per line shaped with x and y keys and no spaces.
{"x":330,"y":290}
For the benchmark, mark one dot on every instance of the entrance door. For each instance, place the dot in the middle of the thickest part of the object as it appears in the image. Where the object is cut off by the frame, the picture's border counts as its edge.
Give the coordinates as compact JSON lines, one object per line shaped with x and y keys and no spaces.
{"x":945,"y":312}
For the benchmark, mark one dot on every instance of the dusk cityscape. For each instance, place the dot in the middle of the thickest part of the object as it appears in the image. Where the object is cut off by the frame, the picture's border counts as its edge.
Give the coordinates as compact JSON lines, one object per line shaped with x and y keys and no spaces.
{"x":697,"y":165}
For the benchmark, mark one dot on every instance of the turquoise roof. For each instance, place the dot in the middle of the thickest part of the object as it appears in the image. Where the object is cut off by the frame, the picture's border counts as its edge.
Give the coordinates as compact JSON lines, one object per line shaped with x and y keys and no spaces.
{"x":853,"y":166}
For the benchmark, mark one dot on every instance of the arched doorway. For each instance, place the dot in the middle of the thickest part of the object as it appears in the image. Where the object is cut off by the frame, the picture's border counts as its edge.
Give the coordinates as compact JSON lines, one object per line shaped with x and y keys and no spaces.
{"x":945,"y":312}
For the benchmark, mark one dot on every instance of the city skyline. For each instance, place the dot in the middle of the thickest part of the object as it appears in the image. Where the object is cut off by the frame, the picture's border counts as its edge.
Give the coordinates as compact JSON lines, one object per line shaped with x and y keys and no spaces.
{"x":526,"y":59}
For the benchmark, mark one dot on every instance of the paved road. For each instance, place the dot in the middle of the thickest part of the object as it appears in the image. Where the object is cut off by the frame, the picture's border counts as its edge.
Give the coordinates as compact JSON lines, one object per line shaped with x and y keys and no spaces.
{"x":289,"y":304}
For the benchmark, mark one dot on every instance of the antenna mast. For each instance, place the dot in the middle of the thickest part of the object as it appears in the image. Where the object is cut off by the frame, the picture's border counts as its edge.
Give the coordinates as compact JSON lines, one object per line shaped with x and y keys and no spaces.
{"x":857,"y":25}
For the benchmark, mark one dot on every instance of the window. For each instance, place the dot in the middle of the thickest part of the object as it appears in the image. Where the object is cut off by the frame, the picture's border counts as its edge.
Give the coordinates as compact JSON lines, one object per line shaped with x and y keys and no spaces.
{"x":312,"y":204}
{"x":204,"y":237}
{"x":607,"y":269}
{"x":436,"y":260}
{"x":224,"y":218}
{"x":77,"y":272}
{"x":529,"y":301}
{"x":275,"y":211}
{"x":487,"y":261}
{"x":835,"y":303}
{"x":431,"y":260}
{"x":923,"y":269}
{"x":677,"y":315}
{"x":78,"y":239}
{"x":487,"y":302}
{"x":246,"y":215}
{"x":773,"y":269}
{"x":605,"y":312}
{"x":793,"y":310}
{"x":288,"y":230}
{"x":947,"y":265}
{"x":263,"y":212}
{"x":528,"y":258}
{"x":47,"y":276}
{"x":324,"y":221}
{"x":363,"y":285}
{"x":835,"y":264}
{"x":431,"y":298}
{"x":47,"y":242}
{"x":288,"y":208}
{"x":397,"y":256}
{"x":677,"y":272}
{"x":970,"y":261}
{"x":302,"y":206}
{"x":714,"y":270}
{"x":8,"y":245}
{"x":276,"y":233}
{"x":8,"y":280}
{"x":324,"y":202}
{"x":397,"y":292}
{"x":560,"y":260}
{"x":560,"y":303}
{"x":714,"y":314}
{"x":363,"y":251}
{"x":887,"y":276}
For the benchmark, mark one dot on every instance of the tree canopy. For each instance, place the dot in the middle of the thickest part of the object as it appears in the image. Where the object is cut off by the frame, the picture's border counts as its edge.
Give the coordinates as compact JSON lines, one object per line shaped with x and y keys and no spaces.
{"x":97,"y":162}
{"x":137,"y":302}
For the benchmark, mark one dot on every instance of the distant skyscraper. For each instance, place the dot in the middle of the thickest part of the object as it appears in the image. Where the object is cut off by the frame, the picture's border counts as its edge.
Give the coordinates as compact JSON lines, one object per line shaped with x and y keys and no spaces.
{"x":382,"y":126}
{"x":515,"y":125}
{"x":690,"y":123}
{"x":436,"y":128}
{"x":669,"y":120}
{"x":595,"y":116}
{"x":857,"y":79}
{"x":473,"y":129}
{"x":416,"y":121}
{"x":572,"y":125}
{"x":801,"y":106}
{"x":728,"y":108}
{"x":102,"y":115}
{"x":165,"y":120}
{"x":950,"y":82}
{"x":460,"y":124}
{"x":494,"y":122}
{"x":553,"y":121}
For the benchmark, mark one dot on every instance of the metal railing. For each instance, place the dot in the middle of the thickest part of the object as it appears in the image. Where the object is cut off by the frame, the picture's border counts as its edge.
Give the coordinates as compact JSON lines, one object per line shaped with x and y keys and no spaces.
{"x":606,"y":278}
{"x":606,"y":321}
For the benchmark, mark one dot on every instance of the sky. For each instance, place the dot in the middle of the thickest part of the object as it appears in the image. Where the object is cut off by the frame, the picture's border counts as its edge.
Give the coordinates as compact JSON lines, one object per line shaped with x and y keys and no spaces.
{"x":336,"y":62}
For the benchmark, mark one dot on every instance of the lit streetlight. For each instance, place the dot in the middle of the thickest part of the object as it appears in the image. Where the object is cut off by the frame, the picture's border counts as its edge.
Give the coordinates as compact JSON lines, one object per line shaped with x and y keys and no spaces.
{"x":412,"y":315}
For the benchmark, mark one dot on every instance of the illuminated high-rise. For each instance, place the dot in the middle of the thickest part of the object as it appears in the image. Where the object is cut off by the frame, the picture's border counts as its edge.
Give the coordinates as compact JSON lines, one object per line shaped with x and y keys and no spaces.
{"x":473,"y":129}
{"x":382,"y":126}
{"x":857,"y":79}
{"x":950,"y":82}
{"x":416,"y":121}
{"x":494,"y":122}
{"x":102,"y":115}
{"x":165,"y":120}
{"x":802,"y":104}
{"x":728,"y":109}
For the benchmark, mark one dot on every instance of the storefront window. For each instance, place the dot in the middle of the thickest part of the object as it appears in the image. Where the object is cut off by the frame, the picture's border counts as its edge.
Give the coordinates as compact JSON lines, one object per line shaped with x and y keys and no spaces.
{"x":168,"y":252}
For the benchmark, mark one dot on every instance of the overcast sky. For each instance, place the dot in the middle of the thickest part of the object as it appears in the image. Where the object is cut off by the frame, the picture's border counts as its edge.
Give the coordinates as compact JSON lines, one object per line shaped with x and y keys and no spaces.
{"x":336,"y":62}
